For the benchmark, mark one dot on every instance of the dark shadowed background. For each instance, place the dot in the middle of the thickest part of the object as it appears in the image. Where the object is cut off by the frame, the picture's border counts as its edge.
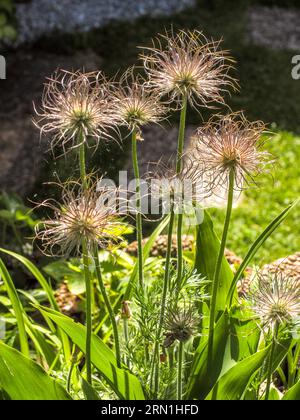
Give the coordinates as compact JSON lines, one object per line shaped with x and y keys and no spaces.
{"x":38,"y":36}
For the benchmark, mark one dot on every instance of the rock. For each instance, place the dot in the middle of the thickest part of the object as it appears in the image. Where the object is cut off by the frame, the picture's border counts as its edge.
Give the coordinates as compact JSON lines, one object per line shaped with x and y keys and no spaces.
{"x":22,"y":152}
{"x":42,"y":17}
{"x":159,"y":143}
{"x":274,"y":27}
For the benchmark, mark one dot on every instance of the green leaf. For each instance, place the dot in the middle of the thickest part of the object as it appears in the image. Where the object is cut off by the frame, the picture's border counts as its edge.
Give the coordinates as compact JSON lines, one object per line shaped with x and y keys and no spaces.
{"x":64,"y":270}
{"x":293,"y":393}
{"x":125,"y":385}
{"x":37,"y":274}
{"x":274,"y":394}
{"x":146,"y":252}
{"x":6,"y":215}
{"x":202,"y":379}
{"x":233,"y":384}
{"x":245,"y":334}
{"x":282,"y":346}
{"x":9,"y":32}
{"x":89,"y":392}
{"x":207,"y":250}
{"x":22,"y":379}
{"x":255,"y":247}
{"x":48,"y":290}
{"x":17,"y":307}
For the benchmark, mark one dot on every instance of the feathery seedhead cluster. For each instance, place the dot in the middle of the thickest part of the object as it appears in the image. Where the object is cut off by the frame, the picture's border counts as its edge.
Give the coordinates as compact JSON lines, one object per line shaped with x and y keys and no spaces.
{"x":84,"y":214}
{"x":180,"y":324}
{"x":178,"y":190}
{"x":75,"y":106}
{"x":134,"y":105}
{"x":189,"y":64}
{"x":275,"y":299}
{"x":229,"y":143}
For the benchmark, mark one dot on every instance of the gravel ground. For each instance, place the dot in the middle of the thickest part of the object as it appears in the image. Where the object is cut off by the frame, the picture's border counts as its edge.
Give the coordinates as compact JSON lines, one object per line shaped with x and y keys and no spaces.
{"x":41,"y":17}
{"x":274,"y":27}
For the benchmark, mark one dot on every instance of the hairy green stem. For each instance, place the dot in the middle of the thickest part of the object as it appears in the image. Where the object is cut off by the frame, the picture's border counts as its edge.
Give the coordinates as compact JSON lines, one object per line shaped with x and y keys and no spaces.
{"x":139,"y":227}
{"x":180,"y":370}
{"x":82,"y":165}
{"x":216,"y":278}
{"x":88,"y":311}
{"x":88,"y":285}
{"x":108,"y":307}
{"x":180,"y":146}
{"x":270,"y":363}
{"x":126,"y":339}
{"x":156,"y":360}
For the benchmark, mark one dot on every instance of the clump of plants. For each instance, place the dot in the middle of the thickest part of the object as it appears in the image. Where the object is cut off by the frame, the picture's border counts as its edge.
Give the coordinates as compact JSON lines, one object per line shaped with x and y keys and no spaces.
{"x":169,"y":327}
{"x":7,"y":24}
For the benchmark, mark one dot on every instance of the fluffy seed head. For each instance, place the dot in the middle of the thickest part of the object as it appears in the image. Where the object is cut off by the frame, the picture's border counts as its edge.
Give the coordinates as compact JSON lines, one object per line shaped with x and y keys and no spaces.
{"x":230,"y":143}
{"x":133,"y":104}
{"x":180,"y":324}
{"x":275,"y":298}
{"x":75,"y":106}
{"x":188,"y":64}
{"x":90,"y":214}
{"x":178,"y":190}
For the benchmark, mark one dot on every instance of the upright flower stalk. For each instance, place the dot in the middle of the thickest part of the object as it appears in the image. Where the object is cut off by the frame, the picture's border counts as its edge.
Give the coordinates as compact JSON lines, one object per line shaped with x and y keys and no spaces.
{"x":216,"y":278}
{"x":139,"y":227}
{"x":227,"y":152}
{"x":88,"y":311}
{"x":180,"y":148}
{"x":82,"y":165}
{"x":271,"y":359}
{"x":185,"y":67}
{"x":108,"y":307}
{"x":180,"y":370}
{"x":155,"y":360}
{"x":134,"y":106}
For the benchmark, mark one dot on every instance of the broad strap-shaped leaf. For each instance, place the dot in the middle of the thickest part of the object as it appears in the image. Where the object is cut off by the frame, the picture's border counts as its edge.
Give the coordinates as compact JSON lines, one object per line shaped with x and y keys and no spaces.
{"x":37,"y":274}
{"x":293,"y":393}
{"x":245,"y":334}
{"x":48,"y":290}
{"x":256,"y":246}
{"x":282,"y":347}
{"x":207,"y":250}
{"x":202,"y":379}
{"x":20,"y":314}
{"x":146,"y":252}
{"x":233,"y":384}
{"x":125,"y":384}
{"x":89,"y":392}
{"x":22,"y":379}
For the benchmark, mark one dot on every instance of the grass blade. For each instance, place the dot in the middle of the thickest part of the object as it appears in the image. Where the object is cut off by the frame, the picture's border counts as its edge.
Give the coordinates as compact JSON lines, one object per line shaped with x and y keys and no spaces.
{"x":48,"y":290}
{"x":126,"y":385}
{"x":17,"y":307}
{"x":255,"y":247}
